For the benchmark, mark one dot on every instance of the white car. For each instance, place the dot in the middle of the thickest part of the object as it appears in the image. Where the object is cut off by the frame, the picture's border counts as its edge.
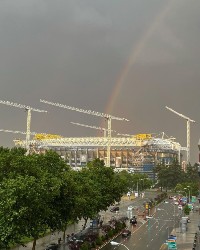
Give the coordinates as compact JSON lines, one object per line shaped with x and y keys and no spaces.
{"x":130,"y":208}
{"x":176,"y":203}
{"x":149,"y":217}
{"x":180,"y":207}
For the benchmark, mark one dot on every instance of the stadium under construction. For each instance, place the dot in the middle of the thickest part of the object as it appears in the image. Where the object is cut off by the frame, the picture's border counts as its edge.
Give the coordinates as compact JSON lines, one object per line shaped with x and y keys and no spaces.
{"x":135,"y":153}
{"x":138,"y":153}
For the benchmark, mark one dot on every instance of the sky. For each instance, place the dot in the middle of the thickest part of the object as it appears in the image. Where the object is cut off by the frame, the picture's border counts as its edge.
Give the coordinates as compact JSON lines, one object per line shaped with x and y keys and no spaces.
{"x":128,"y":58}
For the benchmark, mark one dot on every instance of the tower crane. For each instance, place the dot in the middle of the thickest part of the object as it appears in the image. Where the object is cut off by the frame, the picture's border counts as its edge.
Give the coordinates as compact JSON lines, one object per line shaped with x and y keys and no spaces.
{"x":108,"y":117}
{"x":124,"y":134}
{"x":28,"y":109}
{"x":16,"y":132}
{"x":188,"y":130}
{"x":94,"y":127}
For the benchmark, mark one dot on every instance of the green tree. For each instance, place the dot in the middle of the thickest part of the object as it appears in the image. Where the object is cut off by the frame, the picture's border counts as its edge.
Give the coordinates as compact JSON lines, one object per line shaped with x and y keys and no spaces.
{"x":186,"y":209}
{"x":63,"y":205}
{"x":86,"y":196}
{"x":169,"y":175}
{"x":33,"y":182}
{"x":192,"y":173}
{"x":109,"y":184}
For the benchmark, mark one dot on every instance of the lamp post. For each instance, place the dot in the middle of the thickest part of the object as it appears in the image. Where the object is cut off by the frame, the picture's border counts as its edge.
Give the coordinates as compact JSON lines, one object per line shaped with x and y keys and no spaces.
{"x":189,"y":192}
{"x":114,"y":243}
{"x":186,"y":192}
{"x":137,"y":189}
{"x":142,"y":183}
{"x":138,"y":185}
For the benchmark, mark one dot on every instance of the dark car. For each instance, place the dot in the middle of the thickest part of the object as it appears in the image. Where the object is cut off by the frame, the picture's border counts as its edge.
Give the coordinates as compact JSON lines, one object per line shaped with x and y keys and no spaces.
{"x":114,"y":209}
{"x":52,"y":246}
{"x":126,"y":233}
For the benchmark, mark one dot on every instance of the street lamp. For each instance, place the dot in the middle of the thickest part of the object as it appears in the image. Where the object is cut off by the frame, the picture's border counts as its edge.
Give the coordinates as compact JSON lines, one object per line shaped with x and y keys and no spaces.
{"x":138,"y":185}
{"x":114,"y":243}
{"x":189,"y":192}
{"x":142,"y":183}
{"x":186,"y":192}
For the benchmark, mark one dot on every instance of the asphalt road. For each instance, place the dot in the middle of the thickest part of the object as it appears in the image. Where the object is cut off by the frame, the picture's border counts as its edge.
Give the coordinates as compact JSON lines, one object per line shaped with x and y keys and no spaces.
{"x":137,"y":203}
{"x":153,"y":233}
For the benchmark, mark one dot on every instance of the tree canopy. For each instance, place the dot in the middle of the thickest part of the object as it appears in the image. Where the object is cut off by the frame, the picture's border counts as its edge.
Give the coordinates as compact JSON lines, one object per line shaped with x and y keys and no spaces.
{"x":40,"y":192}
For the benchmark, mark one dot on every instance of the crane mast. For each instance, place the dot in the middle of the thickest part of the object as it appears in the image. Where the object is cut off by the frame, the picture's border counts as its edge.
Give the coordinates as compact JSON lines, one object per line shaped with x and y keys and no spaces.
{"x":28,"y":109}
{"x":188,"y":130}
{"x":108,"y":117}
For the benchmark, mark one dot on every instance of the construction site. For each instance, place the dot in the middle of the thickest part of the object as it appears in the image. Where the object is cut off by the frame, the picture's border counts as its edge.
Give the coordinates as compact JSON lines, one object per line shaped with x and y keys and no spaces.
{"x":135,"y":153}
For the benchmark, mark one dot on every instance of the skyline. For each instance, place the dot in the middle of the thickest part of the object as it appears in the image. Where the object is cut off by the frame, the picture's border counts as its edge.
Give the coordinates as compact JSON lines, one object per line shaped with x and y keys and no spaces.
{"x":129,"y":59}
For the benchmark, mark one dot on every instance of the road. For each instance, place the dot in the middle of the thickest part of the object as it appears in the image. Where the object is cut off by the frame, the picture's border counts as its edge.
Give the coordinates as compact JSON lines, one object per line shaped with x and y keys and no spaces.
{"x":137,"y":203}
{"x":153,"y":233}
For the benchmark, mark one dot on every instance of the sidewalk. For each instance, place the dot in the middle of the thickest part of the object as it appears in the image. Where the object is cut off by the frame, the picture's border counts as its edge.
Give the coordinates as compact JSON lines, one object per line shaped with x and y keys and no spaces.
{"x":185,"y":240}
{"x":75,"y":228}
{"x":52,"y":238}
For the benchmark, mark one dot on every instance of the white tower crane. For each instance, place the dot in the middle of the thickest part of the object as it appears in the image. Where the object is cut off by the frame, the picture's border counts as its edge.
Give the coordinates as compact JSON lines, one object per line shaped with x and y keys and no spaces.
{"x":94,"y":127}
{"x":90,"y":112}
{"x":28,"y":109}
{"x":188,"y":130}
{"x":124,"y":134}
{"x":17,"y":132}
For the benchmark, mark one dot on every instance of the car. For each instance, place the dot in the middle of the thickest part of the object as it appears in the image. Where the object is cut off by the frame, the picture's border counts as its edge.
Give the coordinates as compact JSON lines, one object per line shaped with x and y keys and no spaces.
{"x":180,"y":207}
{"x":172,"y":237}
{"x":126,"y":233}
{"x":114,"y":209}
{"x":176,"y":203}
{"x":52,"y":246}
{"x":130,"y":208}
{"x":149,"y":216}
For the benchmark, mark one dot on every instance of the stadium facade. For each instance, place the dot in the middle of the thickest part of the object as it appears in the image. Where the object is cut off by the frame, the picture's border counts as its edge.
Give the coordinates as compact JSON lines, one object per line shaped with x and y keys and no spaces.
{"x":138,"y":154}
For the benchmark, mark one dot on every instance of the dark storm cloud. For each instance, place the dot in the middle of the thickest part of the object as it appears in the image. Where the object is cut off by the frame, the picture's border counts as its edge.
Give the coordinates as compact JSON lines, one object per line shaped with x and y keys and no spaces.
{"x":73,"y":52}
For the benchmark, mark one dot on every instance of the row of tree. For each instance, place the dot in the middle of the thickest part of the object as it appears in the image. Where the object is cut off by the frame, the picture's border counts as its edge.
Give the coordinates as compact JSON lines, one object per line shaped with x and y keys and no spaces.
{"x":173,"y":177}
{"x":39,"y":192}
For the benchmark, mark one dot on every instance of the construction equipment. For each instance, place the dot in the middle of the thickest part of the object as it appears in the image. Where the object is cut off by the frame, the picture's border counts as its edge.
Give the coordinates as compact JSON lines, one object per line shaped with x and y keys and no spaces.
{"x":108,"y":117}
{"x":128,"y":135}
{"x":28,"y":109}
{"x":94,"y":127}
{"x":44,"y":136}
{"x":188,"y":130}
{"x":16,"y":132}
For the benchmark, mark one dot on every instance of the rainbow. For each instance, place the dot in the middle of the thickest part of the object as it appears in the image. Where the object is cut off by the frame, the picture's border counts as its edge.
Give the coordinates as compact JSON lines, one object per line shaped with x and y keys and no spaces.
{"x":135,"y":53}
